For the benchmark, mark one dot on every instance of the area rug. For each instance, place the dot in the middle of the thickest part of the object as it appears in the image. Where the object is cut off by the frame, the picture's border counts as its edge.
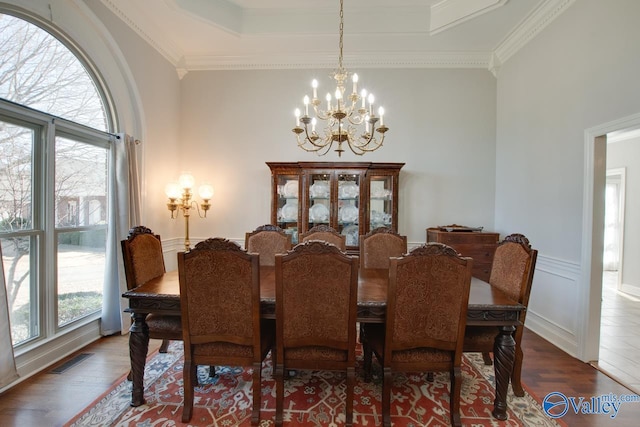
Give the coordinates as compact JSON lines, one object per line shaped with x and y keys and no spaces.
{"x":311,"y":398}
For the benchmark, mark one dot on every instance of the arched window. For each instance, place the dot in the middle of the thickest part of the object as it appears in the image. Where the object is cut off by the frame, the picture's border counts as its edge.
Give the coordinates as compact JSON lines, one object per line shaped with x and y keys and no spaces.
{"x":54,"y":169}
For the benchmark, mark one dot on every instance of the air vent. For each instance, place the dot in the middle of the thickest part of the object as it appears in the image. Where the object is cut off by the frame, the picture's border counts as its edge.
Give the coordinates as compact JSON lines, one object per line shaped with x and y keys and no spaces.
{"x":70,"y":363}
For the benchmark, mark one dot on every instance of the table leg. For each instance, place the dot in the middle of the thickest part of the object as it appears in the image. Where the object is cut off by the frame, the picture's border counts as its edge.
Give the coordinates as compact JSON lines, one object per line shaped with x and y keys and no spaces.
{"x":138,"y":348}
{"x":504,"y":351}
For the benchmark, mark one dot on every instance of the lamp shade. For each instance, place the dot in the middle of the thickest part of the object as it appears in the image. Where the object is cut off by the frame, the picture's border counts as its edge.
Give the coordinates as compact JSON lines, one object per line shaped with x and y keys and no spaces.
{"x":205,"y":191}
{"x":186,"y":180}
{"x":172,"y":190}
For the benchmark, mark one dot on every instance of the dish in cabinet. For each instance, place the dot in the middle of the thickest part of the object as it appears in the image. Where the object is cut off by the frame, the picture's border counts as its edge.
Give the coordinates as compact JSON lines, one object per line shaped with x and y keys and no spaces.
{"x":319,"y":213}
{"x":291,"y":189}
{"x":349,"y":213}
{"x":319,"y":189}
{"x":348,"y":190}
{"x":351,"y":233}
{"x":290,"y":210}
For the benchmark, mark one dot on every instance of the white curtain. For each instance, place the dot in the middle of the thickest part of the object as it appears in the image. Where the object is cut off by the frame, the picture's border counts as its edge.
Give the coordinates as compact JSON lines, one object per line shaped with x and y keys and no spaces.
{"x":124,"y":213}
{"x":7,"y":363}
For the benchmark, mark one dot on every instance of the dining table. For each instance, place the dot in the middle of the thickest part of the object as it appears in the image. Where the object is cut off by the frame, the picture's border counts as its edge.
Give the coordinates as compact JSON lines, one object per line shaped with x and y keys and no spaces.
{"x":488,"y":306}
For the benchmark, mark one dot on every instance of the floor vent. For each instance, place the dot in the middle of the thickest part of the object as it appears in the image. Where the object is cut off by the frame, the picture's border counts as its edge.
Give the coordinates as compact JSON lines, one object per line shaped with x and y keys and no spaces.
{"x":70,"y":363}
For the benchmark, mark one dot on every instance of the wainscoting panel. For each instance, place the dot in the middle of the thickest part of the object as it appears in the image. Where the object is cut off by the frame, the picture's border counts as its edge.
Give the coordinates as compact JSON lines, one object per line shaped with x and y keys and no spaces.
{"x":553,"y":306}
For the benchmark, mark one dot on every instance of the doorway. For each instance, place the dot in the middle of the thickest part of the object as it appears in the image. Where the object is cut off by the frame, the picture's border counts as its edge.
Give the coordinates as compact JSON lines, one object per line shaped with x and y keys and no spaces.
{"x":593,"y":219}
{"x":620,"y":310}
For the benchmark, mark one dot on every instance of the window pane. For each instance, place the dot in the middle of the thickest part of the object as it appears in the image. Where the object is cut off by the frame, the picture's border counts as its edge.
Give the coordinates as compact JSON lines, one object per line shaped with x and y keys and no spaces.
{"x":18,"y":260}
{"x":40,"y":72}
{"x":16,"y":148}
{"x":81,"y":184}
{"x":81,"y":259}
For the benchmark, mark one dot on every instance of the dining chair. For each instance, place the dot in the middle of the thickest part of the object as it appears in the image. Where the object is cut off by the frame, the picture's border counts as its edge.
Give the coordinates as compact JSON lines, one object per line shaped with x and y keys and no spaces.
{"x":425,"y":322}
{"x":143,"y":261}
{"x":512,"y":272}
{"x":267,"y":241}
{"x":327,"y":234}
{"x":316,"y":305}
{"x":220,"y":305}
{"x":377,"y":246}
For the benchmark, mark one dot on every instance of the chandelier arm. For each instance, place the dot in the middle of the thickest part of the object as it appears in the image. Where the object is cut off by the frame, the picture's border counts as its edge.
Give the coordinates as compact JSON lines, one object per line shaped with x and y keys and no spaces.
{"x":321,"y":114}
{"x":312,"y":137}
{"x":365,"y":147}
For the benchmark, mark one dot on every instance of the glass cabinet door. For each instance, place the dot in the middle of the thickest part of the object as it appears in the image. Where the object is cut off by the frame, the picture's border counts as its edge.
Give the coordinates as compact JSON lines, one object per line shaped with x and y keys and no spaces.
{"x":348,"y":215}
{"x":319,"y":199}
{"x":287,"y":210}
{"x":380,"y":201}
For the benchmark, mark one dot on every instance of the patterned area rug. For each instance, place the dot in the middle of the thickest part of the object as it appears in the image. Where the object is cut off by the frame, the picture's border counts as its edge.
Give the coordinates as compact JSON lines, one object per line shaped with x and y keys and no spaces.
{"x":311,"y":398}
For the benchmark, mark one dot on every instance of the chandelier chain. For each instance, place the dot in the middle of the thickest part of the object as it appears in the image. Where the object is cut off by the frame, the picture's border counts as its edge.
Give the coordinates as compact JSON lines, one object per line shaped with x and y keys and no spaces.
{"x":341,"y":34}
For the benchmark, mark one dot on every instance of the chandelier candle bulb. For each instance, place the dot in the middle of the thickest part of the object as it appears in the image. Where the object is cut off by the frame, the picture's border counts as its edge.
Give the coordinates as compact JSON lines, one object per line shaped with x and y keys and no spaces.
{"x":355,"y":82}
{"x":297,"y":114}
{"x":314,"y":85}
{"x":363,"y":95}
{"x":381,"y":114}
{"x":306,"y":105}
{"x":328,"y":102}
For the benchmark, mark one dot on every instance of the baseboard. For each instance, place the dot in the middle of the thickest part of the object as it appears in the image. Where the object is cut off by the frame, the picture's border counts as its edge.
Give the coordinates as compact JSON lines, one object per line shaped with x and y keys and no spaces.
{"x":630,"y":289}
{"x":47,"y":354}
{"x":555,"y":334}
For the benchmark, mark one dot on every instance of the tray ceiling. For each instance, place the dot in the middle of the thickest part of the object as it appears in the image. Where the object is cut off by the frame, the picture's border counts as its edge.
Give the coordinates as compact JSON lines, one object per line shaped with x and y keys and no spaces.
{"x":254,"y":34}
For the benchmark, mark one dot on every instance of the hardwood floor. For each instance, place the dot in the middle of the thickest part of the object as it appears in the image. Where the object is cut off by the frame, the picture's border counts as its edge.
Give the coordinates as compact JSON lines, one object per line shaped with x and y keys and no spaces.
{"x":619,"y":333}
{"x":49,"y":399}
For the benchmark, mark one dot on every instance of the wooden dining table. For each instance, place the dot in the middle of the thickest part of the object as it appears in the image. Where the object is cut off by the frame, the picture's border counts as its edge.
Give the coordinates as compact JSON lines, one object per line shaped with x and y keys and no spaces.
{"x":488,"y":306}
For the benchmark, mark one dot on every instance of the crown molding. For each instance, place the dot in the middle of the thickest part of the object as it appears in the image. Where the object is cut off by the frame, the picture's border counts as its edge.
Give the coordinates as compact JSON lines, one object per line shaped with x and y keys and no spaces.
{"x":447,"y":14}
{"x":170,"y":52}
{"x":380,"y":60}
{"x":531,"y":26}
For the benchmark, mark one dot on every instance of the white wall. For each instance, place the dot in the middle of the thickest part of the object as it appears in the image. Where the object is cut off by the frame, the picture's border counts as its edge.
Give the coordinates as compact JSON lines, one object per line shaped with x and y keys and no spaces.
{"x":626,"y":154}
{"x":158,"y":86}
{"x":442,"y":125}
{"x":581,"y":71}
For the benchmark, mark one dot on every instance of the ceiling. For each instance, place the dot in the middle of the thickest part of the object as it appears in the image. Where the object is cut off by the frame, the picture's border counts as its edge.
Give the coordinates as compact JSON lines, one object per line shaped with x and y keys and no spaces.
{"x":261,"y":34}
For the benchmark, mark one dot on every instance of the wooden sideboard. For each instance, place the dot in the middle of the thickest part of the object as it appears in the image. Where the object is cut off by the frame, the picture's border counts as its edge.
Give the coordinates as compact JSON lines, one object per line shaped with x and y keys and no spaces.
{"x":475,"y":244}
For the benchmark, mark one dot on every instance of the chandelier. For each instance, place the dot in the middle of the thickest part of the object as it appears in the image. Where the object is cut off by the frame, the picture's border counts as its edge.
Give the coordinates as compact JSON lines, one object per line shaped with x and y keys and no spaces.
{"x":343,"y":119}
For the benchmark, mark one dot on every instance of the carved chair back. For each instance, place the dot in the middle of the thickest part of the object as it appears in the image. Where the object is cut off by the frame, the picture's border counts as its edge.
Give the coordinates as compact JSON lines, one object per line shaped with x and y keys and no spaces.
{"x":377,"y":246}
{"x":142,"y":256}
{"x":267,"y":241}
{"x":327,"y":234}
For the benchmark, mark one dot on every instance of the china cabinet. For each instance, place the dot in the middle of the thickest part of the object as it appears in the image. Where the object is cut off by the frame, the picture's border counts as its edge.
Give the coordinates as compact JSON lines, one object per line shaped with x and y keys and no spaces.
{"x":351,"y":197}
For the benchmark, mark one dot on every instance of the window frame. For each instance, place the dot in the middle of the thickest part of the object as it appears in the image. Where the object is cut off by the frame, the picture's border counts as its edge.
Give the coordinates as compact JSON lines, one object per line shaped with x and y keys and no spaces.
{"x":44,"y":231}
